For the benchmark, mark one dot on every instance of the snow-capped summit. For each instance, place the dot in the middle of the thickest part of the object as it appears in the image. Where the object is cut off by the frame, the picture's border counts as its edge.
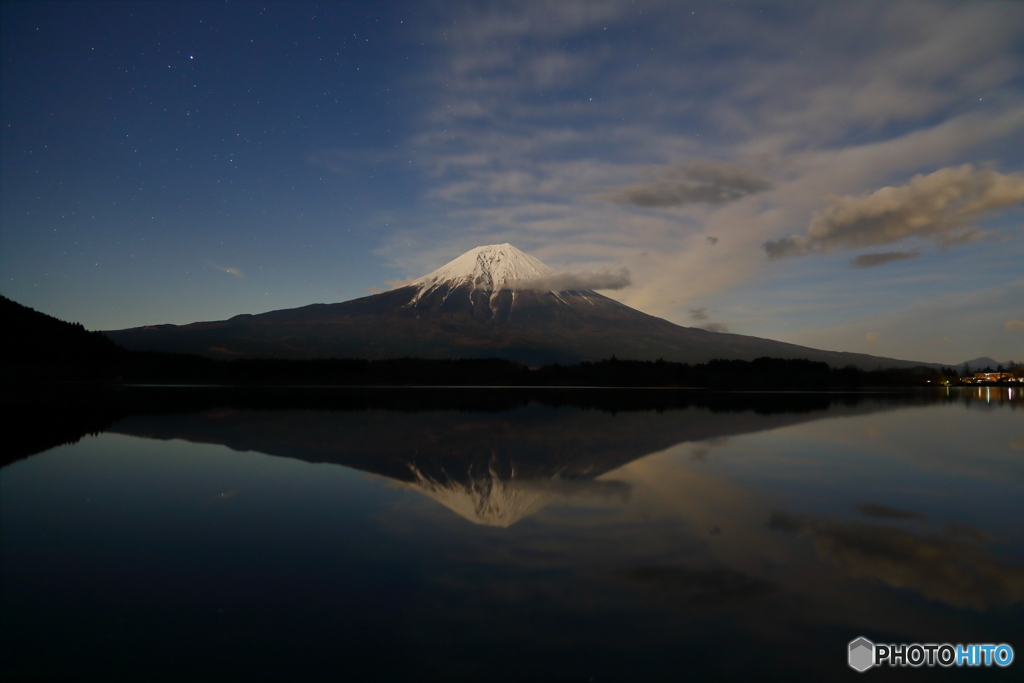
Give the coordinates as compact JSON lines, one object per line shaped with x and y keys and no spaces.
{"x":489,"y":268}
{"x":487,"y":283}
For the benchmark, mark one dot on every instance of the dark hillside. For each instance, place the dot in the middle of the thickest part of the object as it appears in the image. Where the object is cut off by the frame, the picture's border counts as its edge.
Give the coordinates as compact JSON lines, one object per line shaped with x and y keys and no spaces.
{"x":36,"y":345}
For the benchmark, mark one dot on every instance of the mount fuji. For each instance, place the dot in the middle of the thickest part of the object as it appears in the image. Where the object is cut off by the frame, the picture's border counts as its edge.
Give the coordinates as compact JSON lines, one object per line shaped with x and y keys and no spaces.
{"x":493,"y":301}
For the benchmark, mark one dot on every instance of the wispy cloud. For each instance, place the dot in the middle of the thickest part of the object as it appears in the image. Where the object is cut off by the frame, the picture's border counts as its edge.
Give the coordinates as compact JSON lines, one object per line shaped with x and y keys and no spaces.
{"x":237,"y":272}
{"x":696,"y":182}
{"x":1014,"y":324}
{"x":872,"y":260}
{"x":395,"y":284}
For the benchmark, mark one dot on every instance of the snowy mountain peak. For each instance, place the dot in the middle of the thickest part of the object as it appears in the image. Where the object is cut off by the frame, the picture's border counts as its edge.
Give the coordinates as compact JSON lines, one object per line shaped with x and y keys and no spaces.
{"x":488,"y":268}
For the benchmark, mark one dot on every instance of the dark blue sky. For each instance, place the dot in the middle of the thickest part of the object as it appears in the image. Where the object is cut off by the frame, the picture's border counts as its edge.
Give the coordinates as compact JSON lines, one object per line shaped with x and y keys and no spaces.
{"x":172,"y":162}
{"x":144,"y":140}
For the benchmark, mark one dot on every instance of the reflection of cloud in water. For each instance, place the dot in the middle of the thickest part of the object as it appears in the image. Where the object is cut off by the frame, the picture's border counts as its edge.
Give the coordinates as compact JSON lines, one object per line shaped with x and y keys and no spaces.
{"x":697,"y":588}
{"x":700,"y":454}
{"x":886,"y":512}
{"x":954,"y":568}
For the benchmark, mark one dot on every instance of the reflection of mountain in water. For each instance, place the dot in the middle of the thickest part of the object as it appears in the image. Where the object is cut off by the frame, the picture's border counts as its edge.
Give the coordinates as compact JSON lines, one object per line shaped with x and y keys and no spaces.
{"x":492,"y":468}
{"x":493,"y":500}
{"x":485,"y":499}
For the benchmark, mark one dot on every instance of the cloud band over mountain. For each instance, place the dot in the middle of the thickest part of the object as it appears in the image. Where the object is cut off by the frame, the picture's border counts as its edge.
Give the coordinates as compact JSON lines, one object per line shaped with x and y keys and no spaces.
{"x":565,"y":282}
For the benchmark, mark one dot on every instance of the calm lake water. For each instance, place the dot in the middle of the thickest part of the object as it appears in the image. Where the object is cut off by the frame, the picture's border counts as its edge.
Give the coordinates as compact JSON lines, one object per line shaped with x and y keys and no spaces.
{"x":511,"y":535}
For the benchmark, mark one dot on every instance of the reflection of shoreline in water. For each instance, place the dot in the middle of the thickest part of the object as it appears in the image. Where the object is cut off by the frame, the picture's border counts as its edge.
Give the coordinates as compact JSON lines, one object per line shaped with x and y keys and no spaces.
{"x":42,"y":416}
{"x":45,"y":416}
{"x":495,"y":468}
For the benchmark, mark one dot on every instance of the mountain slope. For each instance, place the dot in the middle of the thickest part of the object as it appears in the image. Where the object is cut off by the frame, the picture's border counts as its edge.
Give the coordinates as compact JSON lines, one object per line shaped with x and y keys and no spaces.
{"x":493,"y":301}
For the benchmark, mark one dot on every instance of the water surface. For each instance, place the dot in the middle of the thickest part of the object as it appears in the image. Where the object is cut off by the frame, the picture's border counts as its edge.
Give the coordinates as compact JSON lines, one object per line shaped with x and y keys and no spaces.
{"x":511,"y":536}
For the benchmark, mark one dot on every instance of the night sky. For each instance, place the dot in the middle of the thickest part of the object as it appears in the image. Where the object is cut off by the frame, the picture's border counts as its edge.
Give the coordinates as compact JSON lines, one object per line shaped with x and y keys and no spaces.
{"x":847,"y":176}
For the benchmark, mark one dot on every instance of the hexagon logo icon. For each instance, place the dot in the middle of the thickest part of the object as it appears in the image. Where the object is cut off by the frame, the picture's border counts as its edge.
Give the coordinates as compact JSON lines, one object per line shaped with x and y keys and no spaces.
{"x":862,"y":654}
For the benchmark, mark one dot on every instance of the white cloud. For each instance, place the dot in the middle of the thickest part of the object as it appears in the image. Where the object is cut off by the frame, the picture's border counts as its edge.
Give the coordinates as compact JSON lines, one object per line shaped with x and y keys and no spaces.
{"x":942,"y":205}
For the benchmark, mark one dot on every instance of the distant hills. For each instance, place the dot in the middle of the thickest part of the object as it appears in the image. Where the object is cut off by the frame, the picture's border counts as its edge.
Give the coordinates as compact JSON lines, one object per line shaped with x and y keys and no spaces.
{"x":984,"y":362}
{"x":491,"y":302}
